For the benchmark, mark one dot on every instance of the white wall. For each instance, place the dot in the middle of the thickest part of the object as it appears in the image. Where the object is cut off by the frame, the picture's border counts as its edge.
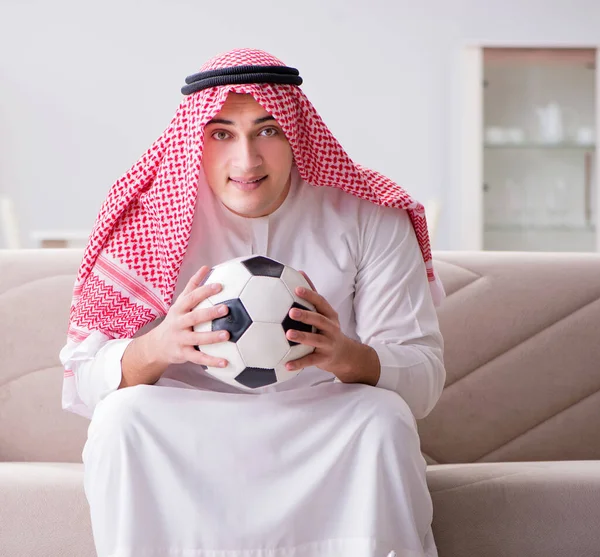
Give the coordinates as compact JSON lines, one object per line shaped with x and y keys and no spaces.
{"x":86,"y":87}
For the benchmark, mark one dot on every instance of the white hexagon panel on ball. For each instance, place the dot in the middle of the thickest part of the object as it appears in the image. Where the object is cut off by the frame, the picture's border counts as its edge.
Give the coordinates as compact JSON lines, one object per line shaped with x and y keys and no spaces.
{"x":294,"y":353}
{"x":293,"y":279}
{"x":263,"y":345}
{"x":266,"y":299}
{"x":230,"y":352}
{"x":233,"y":276}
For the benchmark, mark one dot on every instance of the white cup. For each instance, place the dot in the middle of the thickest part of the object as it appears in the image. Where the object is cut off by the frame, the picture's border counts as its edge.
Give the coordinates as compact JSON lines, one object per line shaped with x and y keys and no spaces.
{"x":495,"y":135}
{"x":585,"y":136}
{"x":515,"y":135}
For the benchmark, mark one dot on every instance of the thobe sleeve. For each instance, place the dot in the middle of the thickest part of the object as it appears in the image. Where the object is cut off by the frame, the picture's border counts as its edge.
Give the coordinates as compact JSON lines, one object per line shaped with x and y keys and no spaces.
{"x":394,"y":311}
{"x":96,"y":364}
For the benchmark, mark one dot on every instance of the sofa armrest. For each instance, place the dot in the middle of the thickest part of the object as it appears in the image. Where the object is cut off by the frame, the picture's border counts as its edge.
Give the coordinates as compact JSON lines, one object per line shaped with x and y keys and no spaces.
{"x":43,"y":511}
{"x":516,"y":509}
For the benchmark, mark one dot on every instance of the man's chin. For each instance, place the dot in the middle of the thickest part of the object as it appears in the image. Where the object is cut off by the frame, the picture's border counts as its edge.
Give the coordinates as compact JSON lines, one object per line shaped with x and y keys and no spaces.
{"x":245,"y":211}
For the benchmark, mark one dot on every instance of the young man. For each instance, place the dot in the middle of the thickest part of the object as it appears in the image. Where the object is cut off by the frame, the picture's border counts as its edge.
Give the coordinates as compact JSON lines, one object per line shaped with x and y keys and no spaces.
{"x":325,"y":464}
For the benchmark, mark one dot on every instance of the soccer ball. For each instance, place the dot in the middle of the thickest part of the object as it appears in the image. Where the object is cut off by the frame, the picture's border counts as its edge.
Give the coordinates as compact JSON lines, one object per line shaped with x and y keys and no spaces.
{"x":259,"y":293}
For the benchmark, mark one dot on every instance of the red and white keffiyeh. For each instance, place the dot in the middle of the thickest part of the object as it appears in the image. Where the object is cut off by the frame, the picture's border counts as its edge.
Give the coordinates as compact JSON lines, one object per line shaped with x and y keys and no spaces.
{"x":132,"y":260}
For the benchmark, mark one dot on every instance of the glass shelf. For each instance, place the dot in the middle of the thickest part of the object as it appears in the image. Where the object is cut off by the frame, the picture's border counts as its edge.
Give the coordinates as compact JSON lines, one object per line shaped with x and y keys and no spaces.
{"x":538,"y":228}
{"x":564,"y":145}
{"x":539,"y":145}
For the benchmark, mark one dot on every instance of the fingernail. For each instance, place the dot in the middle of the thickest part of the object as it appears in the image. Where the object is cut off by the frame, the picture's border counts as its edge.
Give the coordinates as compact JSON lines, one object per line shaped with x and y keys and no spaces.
{"x":290,"y":367}
{"x":223,"y":335}
{"x":222,"y":310}
{"x":301,"y":290}
{"x":292,"y":334}
{"x":222,"y":363}
{"x":215,"y":286}
{"x":295,"y":313}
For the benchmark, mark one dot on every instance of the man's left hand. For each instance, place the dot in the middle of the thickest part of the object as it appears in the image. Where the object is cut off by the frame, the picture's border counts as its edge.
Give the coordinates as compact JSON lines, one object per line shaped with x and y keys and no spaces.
{"x":349,"y":360}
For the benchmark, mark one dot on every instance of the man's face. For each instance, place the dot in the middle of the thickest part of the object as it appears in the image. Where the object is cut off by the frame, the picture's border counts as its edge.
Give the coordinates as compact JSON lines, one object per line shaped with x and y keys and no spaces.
{"x":247,"y":159}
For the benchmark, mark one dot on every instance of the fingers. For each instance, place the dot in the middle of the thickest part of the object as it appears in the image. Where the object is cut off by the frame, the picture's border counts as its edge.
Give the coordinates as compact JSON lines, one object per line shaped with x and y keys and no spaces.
{"x":306,"y":361}
{"x":308,"y":280}
{"x":324,"y":319}
{"x":320,"y":303}
{"x":190,"y":300}
{"x":203,"y":315}
{"x":310,"y":339}
{"x":202,"y":359}
{"x":195,"y":291}
{"x":208,"y":337}
{"x":196,"y":279}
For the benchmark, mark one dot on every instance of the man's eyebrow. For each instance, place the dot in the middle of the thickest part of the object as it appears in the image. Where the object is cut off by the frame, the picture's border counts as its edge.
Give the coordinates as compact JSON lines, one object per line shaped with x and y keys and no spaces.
{"x":232,"y":123}
{"x":263,"y":119}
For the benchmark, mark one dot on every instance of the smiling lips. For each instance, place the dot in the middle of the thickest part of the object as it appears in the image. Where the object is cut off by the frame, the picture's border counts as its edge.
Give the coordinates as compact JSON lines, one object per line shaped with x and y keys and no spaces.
{"x":249,"y":184}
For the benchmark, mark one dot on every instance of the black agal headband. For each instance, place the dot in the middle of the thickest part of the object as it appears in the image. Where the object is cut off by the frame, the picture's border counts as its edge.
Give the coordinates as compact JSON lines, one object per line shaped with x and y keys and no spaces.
{"x":241,"y":74}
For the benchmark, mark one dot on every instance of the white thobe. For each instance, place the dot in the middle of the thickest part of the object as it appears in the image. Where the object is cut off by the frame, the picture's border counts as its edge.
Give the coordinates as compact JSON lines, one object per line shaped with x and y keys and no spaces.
{"x":306,"y":468}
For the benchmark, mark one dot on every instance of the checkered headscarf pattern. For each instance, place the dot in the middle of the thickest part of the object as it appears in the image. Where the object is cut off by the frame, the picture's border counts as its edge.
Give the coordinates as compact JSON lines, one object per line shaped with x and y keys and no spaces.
{"x":130,"y":265}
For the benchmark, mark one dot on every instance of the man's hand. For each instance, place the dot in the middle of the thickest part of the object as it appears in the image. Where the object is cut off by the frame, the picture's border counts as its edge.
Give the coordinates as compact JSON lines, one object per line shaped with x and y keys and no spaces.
{"x":173,"y":340}
{"x":350,"y":361}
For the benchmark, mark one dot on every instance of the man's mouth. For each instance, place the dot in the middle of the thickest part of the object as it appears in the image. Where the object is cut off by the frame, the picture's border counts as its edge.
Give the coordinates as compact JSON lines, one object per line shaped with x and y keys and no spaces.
{"x":248,"y":184}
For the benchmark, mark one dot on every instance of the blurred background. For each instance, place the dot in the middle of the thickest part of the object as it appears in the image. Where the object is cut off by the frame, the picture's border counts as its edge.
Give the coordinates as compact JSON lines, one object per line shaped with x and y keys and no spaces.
{"x":485,"y":111}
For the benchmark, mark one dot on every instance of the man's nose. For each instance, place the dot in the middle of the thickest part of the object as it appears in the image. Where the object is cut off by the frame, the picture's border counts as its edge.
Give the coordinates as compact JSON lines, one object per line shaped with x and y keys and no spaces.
{"x":247,"y":156}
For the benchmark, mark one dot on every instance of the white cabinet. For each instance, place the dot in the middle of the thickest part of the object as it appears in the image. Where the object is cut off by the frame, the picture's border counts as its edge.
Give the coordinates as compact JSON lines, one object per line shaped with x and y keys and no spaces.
{"x":528,"y":145}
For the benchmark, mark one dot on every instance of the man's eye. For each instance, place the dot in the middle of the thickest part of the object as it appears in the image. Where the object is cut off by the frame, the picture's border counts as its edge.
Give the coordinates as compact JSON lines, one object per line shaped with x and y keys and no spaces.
{"x":220,"y":135}
{"x":268,"y":132}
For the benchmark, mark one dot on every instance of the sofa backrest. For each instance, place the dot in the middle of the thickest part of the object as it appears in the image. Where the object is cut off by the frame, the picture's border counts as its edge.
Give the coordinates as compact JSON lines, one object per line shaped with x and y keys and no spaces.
{"x":522,"y":355}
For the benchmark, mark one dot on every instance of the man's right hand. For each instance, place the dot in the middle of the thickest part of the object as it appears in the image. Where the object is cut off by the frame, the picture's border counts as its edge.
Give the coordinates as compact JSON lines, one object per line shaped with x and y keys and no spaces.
{"x":173,"y":341}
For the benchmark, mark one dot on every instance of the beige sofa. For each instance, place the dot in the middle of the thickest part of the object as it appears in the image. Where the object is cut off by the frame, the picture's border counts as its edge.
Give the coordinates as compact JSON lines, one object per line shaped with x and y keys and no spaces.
{"x":514,"y":443}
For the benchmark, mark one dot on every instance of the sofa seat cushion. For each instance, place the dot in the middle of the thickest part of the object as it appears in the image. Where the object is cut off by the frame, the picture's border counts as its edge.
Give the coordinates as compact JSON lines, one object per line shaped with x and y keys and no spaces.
{"x":516,"y":509}
{"x":533,"y":509}
{"x":43,"y":511}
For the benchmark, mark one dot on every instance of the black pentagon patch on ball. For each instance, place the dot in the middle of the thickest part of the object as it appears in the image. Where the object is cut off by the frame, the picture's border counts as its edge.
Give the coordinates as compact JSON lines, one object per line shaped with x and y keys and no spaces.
{"x":263,"y":267}
{"x":255,"y":377}
{"x":236,"y":322}
{"x":289,"y":323}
